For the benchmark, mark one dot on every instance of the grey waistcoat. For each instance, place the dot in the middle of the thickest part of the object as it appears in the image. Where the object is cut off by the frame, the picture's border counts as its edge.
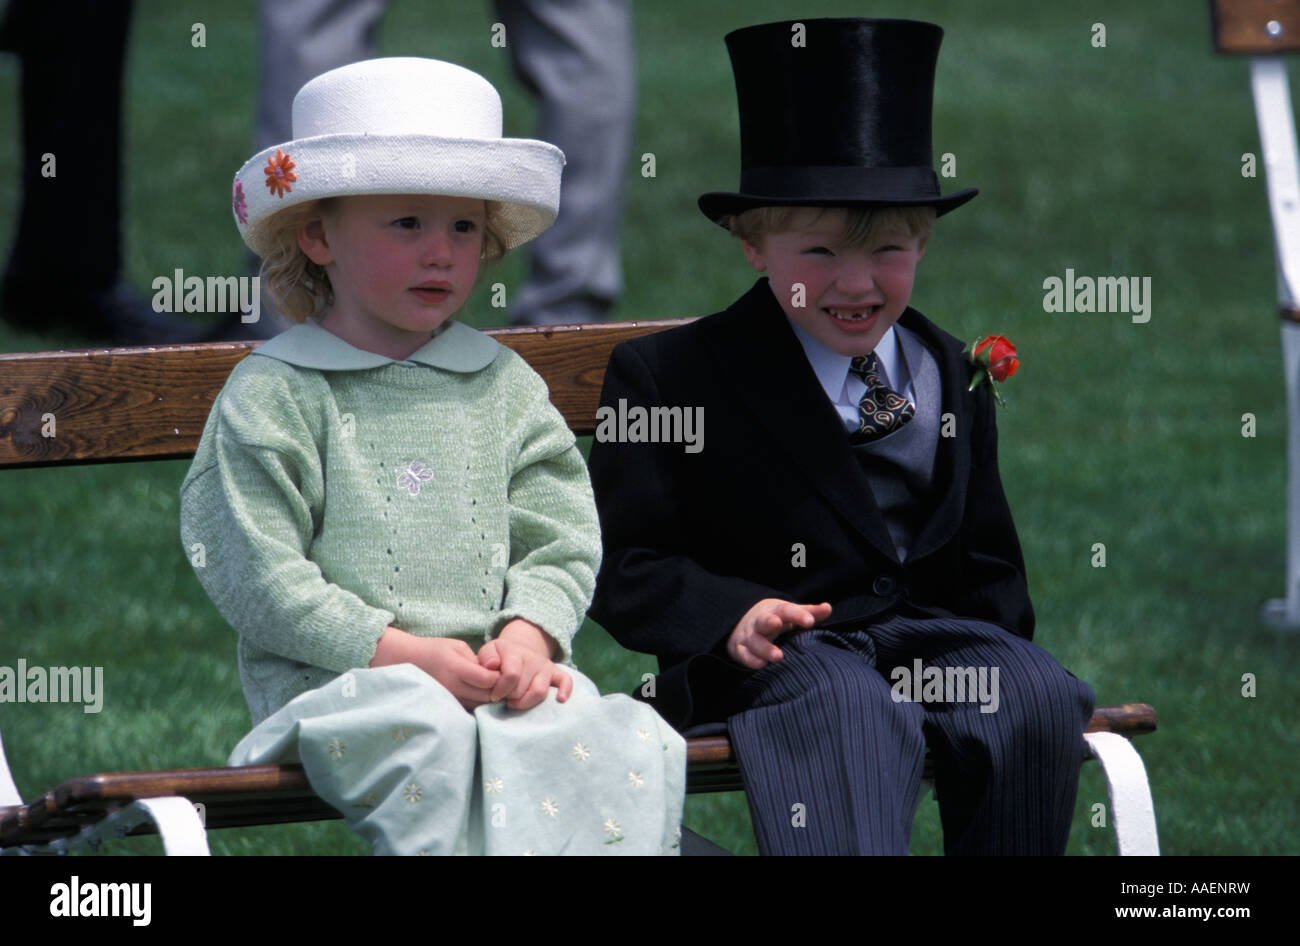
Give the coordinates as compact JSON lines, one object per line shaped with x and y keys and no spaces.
{"x":900,"y":467}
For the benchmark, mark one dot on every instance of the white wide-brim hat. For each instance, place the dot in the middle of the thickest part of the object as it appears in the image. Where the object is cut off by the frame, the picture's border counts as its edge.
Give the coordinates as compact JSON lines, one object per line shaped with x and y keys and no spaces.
{"x":401,"y":126}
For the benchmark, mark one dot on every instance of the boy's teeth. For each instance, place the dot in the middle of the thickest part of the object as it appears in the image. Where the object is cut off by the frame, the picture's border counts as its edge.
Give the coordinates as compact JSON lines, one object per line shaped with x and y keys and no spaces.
{"x":852,"y":315}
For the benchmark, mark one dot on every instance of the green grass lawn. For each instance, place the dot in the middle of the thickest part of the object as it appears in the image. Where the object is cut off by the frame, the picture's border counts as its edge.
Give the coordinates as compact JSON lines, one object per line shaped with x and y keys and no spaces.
{"x":1123,"y":160}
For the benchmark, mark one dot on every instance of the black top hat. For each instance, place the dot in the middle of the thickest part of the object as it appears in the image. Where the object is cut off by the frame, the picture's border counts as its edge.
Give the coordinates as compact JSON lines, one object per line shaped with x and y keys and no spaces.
{"x":835,"y":114}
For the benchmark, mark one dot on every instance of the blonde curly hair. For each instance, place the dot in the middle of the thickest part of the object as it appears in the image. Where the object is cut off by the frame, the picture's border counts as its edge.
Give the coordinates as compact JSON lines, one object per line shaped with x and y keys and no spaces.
{"x":300,"y":289}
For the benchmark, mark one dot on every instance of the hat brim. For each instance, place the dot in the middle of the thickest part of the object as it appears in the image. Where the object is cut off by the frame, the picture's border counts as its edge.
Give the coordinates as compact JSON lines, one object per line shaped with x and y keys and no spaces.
{"x":719,"y":205}
{"x":521,"y":175}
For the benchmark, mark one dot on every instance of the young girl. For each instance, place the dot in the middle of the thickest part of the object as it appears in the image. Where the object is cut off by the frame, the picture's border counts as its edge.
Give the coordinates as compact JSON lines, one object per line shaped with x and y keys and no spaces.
{"x":392,"y":514}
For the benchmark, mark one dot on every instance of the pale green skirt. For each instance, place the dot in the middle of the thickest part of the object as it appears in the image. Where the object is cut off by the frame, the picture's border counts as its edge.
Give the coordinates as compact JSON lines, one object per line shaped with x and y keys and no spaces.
{"x":414,"y":773}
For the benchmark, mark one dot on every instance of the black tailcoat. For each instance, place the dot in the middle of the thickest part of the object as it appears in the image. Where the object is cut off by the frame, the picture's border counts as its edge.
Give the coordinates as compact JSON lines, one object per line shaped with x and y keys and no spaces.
{"x":777,"y":505}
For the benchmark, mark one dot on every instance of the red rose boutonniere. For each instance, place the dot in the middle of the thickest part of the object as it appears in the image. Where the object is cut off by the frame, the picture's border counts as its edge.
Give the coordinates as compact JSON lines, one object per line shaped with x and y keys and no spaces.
{"x":994,"y":359}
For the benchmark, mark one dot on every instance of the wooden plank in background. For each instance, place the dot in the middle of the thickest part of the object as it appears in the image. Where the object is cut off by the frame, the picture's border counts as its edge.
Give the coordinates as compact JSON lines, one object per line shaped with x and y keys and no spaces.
{"x":116,"y":404}
{"x":1242,"y":26}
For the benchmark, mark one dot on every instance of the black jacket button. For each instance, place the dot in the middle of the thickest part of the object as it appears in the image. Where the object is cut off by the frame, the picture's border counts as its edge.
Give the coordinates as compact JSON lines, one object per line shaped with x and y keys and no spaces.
{"x":883,"y":585}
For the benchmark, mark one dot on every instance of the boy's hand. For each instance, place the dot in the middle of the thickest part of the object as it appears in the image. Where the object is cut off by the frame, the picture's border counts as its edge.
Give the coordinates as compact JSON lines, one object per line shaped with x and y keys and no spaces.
{"x":750,"y":643}
{"x":448,"y":660}
{"x":522,"y":654}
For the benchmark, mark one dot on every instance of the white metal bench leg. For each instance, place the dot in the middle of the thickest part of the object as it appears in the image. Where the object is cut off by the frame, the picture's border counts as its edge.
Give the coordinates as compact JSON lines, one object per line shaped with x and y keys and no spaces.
{"x":1271,"y":91}
{"x":1131,"y":808}
{"x":8,"y":790}
{"x":179,"y":824}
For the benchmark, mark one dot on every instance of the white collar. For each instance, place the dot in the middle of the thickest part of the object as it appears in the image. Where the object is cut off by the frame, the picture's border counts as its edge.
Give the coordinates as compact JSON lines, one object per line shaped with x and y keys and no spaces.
{"x":832,"y":368}
{"x":309,"y":345}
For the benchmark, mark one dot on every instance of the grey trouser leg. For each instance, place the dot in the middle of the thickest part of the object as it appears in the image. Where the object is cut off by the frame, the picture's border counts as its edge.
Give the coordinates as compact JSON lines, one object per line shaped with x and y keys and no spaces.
{"x":578,"y":57}
{"x":300,"y":40}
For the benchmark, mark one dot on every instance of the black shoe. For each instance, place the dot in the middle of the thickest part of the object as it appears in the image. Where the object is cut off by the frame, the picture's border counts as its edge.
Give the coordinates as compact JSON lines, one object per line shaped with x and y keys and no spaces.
{"x":118,"y":316}
{"x":233,"y":328}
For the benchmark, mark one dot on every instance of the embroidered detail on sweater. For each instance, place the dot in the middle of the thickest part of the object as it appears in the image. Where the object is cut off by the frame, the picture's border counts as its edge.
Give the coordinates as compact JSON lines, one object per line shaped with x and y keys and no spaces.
{"x":416,"y":472}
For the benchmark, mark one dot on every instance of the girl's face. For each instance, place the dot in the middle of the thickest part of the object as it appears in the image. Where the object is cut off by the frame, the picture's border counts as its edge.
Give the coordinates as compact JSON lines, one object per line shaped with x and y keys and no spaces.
{"x":400,"y":265}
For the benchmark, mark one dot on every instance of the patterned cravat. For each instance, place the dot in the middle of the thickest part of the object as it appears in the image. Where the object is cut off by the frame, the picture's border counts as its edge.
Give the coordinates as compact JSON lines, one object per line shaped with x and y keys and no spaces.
{"x":881,"y":410}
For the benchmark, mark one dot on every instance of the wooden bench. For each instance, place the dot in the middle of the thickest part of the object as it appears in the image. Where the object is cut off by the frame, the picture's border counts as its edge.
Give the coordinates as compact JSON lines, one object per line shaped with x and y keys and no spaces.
{"x":127,"y":404}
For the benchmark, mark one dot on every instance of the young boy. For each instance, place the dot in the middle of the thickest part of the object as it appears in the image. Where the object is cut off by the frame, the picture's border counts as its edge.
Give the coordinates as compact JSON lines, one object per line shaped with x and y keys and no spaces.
{"x":844,"y":528}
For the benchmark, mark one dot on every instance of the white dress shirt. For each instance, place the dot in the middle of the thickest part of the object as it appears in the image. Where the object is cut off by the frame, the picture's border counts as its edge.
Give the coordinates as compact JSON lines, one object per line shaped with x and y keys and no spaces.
{"x":845,"y":389}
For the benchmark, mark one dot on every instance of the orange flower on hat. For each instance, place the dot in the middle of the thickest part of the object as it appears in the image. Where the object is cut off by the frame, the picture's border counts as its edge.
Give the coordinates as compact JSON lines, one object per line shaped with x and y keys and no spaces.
{"x":279,"y":174}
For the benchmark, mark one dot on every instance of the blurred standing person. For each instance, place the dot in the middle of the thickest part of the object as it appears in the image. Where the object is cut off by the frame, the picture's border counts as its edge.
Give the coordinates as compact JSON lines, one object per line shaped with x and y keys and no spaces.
{"x":578,"y":58}
{"x":72,"y":56}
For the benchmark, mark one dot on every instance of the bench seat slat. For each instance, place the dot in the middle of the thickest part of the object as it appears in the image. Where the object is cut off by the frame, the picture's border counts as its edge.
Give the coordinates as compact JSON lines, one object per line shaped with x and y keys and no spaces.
{"x":119,"y":404}
{"x":277,"y":794}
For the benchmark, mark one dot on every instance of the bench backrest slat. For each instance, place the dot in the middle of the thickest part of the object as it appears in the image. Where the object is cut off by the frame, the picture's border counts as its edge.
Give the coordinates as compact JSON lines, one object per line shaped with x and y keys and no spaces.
{"x":114,"y":404}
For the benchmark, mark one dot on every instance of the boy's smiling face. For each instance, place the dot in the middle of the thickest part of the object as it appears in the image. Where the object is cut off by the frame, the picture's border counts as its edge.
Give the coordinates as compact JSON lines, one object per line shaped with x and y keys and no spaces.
{"x":851,"y":294}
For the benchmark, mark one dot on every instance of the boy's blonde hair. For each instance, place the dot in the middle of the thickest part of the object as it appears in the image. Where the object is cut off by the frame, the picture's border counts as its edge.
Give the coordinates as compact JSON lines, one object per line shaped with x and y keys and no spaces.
{"x":861,"y":226}
{"x":300,"y":289}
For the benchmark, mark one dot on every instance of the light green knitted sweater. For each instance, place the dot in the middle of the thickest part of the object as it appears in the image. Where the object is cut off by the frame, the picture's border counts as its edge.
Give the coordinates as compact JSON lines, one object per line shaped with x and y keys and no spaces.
{"x":336,"y":491}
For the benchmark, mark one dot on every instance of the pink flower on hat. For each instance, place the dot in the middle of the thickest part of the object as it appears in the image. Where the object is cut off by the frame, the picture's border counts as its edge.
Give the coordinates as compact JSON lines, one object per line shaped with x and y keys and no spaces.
{"x":241,"y":205}
{"x":279,"y":173}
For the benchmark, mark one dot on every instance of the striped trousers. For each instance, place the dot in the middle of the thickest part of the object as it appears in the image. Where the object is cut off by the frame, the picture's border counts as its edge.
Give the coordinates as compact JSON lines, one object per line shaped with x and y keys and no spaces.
{"x":832,"y":744}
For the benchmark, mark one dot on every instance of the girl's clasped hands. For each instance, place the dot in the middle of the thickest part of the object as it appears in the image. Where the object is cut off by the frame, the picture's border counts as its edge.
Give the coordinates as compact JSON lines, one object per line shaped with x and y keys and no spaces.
{"x":516,"y":666}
